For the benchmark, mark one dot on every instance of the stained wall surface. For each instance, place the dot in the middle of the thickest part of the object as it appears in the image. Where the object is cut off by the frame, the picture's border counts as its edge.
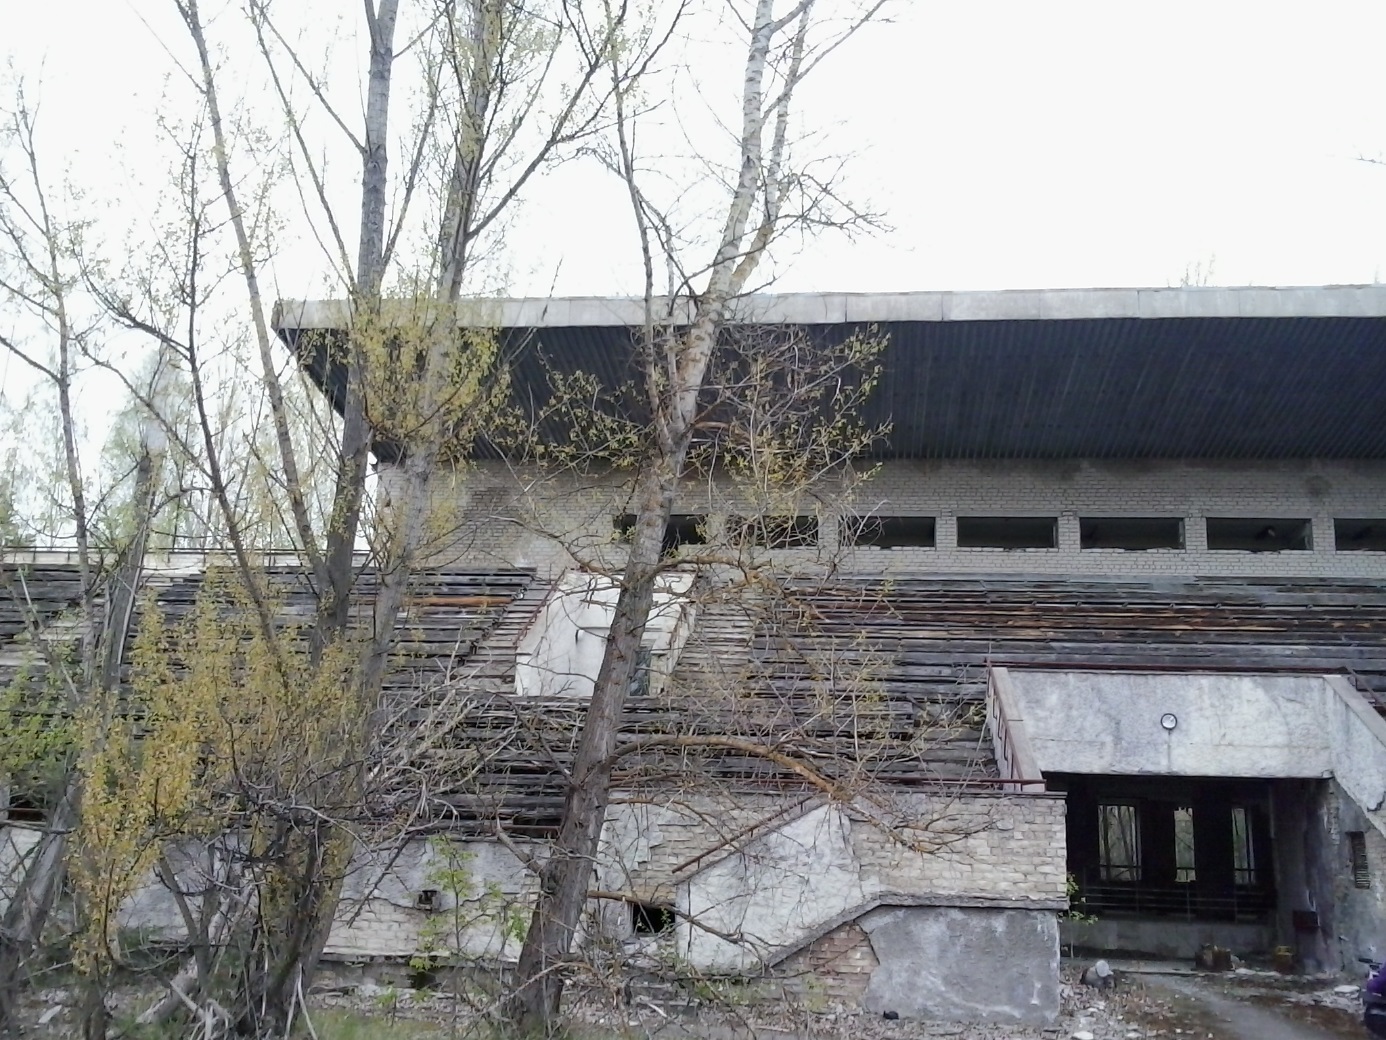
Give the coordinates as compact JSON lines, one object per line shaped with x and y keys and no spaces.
{"x":533,"y":519}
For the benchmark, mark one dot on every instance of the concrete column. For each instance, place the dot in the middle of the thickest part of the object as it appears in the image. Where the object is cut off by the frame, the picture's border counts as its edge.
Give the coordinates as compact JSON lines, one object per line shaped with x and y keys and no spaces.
{"x":1195,"y":533}
{"x":946,"y":531}
{"x":1321,"y":533}
{"x":1070,"y":532}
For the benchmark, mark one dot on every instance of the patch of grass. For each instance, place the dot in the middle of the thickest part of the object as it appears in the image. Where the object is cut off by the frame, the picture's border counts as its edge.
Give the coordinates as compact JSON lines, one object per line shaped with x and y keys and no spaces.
{"x":336,"y":1024}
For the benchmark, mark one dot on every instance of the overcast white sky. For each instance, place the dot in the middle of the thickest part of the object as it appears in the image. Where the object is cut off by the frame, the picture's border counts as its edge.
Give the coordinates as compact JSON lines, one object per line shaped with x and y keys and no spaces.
{"x":1008,"y":144}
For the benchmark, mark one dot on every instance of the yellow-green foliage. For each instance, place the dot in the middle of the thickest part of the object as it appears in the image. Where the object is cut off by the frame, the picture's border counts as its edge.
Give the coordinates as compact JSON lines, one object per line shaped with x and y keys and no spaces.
{"x":469,"y":905}
{"x":214,"y":707}
{"x":795,"y":415}
{"x":425,"y":378}
{"x":138,"y":762}
{"x":35,"y":733}
{"x":587,"y":427}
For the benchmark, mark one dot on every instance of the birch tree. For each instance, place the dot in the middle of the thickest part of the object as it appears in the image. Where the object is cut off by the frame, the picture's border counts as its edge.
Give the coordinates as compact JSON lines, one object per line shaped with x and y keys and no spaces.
{"x":502,"y":90}
{"x":781,"y":50}
{"x":497,"y":91}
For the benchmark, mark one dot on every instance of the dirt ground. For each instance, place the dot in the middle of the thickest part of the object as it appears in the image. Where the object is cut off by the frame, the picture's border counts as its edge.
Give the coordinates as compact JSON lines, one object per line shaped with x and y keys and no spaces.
{"x":1243,"y":1005}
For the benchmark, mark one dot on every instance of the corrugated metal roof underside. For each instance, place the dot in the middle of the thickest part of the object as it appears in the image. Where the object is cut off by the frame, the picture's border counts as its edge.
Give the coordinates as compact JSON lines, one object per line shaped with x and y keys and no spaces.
{"x":1233,"y":388}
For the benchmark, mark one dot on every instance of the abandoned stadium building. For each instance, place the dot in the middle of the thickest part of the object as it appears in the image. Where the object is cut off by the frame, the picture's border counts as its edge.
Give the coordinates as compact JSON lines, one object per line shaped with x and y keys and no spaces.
{"x":1093,"y":655}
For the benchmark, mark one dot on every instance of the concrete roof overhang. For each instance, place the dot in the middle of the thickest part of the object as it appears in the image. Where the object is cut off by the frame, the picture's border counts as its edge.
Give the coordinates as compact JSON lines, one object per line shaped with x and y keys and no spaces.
{"x":1245,"y":373}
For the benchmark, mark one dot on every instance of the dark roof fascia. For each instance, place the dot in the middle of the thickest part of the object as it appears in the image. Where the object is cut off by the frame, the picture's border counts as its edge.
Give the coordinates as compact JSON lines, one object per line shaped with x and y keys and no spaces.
{"x":1190,"y":373}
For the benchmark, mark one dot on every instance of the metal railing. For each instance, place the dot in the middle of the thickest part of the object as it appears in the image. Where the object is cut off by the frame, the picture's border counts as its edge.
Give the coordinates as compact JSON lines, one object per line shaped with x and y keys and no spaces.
{"x":1182,"y":902}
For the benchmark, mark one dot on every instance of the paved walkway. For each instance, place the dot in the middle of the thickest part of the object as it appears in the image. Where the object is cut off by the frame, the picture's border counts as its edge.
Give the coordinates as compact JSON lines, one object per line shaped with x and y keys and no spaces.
{"x":1235,"y":1017}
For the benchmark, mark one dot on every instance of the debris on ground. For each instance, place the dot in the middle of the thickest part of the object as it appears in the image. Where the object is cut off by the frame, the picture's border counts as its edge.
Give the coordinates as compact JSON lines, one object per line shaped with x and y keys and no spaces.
{"x":1213,"y":958}
{"x":1099,"y":976}
{"x":1129,"y":1006}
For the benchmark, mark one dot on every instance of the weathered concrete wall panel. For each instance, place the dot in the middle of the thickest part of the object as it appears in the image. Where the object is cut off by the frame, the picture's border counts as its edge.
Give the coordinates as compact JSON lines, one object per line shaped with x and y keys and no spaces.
{"x":561,"y":653}
{"x":1176,"y":940}
{"x":532,"y":520}
{"x":1305,"y":822}
{"x":1358,"y":735}
{"x":777,"y":890}
{"x":961,"y":964}
{"x":1360,"y":920}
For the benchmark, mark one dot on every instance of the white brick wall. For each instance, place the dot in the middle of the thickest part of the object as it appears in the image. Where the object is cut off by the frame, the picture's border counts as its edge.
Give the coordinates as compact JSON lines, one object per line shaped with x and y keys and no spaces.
{"x":972,"y":848}
{"x":379,"y":916}
{"x":837,"y":966}
{"x":805,"y":874}
{"x":973,"y":844}
{"x":504,"y":518}
{"x":981,"y":848}
{"x":16,"y":844}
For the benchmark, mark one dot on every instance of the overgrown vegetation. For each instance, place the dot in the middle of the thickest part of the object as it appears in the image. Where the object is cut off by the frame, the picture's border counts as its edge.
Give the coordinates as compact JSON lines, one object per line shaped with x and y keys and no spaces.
{"x":227,"y":748}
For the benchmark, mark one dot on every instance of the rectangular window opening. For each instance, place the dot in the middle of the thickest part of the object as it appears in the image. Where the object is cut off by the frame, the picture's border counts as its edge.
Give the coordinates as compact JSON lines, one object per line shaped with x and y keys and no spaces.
{"x":1258,"y":534}
{"x":1184,"y":872}
{"x":1008,"y":532}
{"x":889,"y":532}
{"x":1361,"y":870}
{"x":1131,"y":532}
{"x":1119,"y":842}
{"x":22,"y":808}
{"x":651,"y":919}
{"x":774,"y":532}
{"x":1359,"y":535}
{"x":682,"y":529}
{"x":1243,"y":850}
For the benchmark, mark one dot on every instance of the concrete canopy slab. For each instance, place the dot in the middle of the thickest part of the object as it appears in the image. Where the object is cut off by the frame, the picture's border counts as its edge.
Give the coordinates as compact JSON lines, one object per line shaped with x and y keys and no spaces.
{"x":1090,"y":303}
{"x":1183,"y":303}
{"x":1035,"y":374}
{"x":833,"y":308}
{"x":1165,"y":724}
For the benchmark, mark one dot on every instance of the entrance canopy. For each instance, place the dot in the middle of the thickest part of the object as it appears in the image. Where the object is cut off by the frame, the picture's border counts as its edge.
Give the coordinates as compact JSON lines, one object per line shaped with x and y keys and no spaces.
{"x":1255,"y":726}
{"x":1161,"y":724}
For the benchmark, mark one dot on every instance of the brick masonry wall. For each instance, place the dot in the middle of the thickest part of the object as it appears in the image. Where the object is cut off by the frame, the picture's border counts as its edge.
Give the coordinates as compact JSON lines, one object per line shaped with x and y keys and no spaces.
{"x":499,"y":517}
{"x":978,"y":848}
{"x":16,"y":844}
{"x":838,"y":966}
{"x":478,"y":886}
{"x":988,"y":848}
